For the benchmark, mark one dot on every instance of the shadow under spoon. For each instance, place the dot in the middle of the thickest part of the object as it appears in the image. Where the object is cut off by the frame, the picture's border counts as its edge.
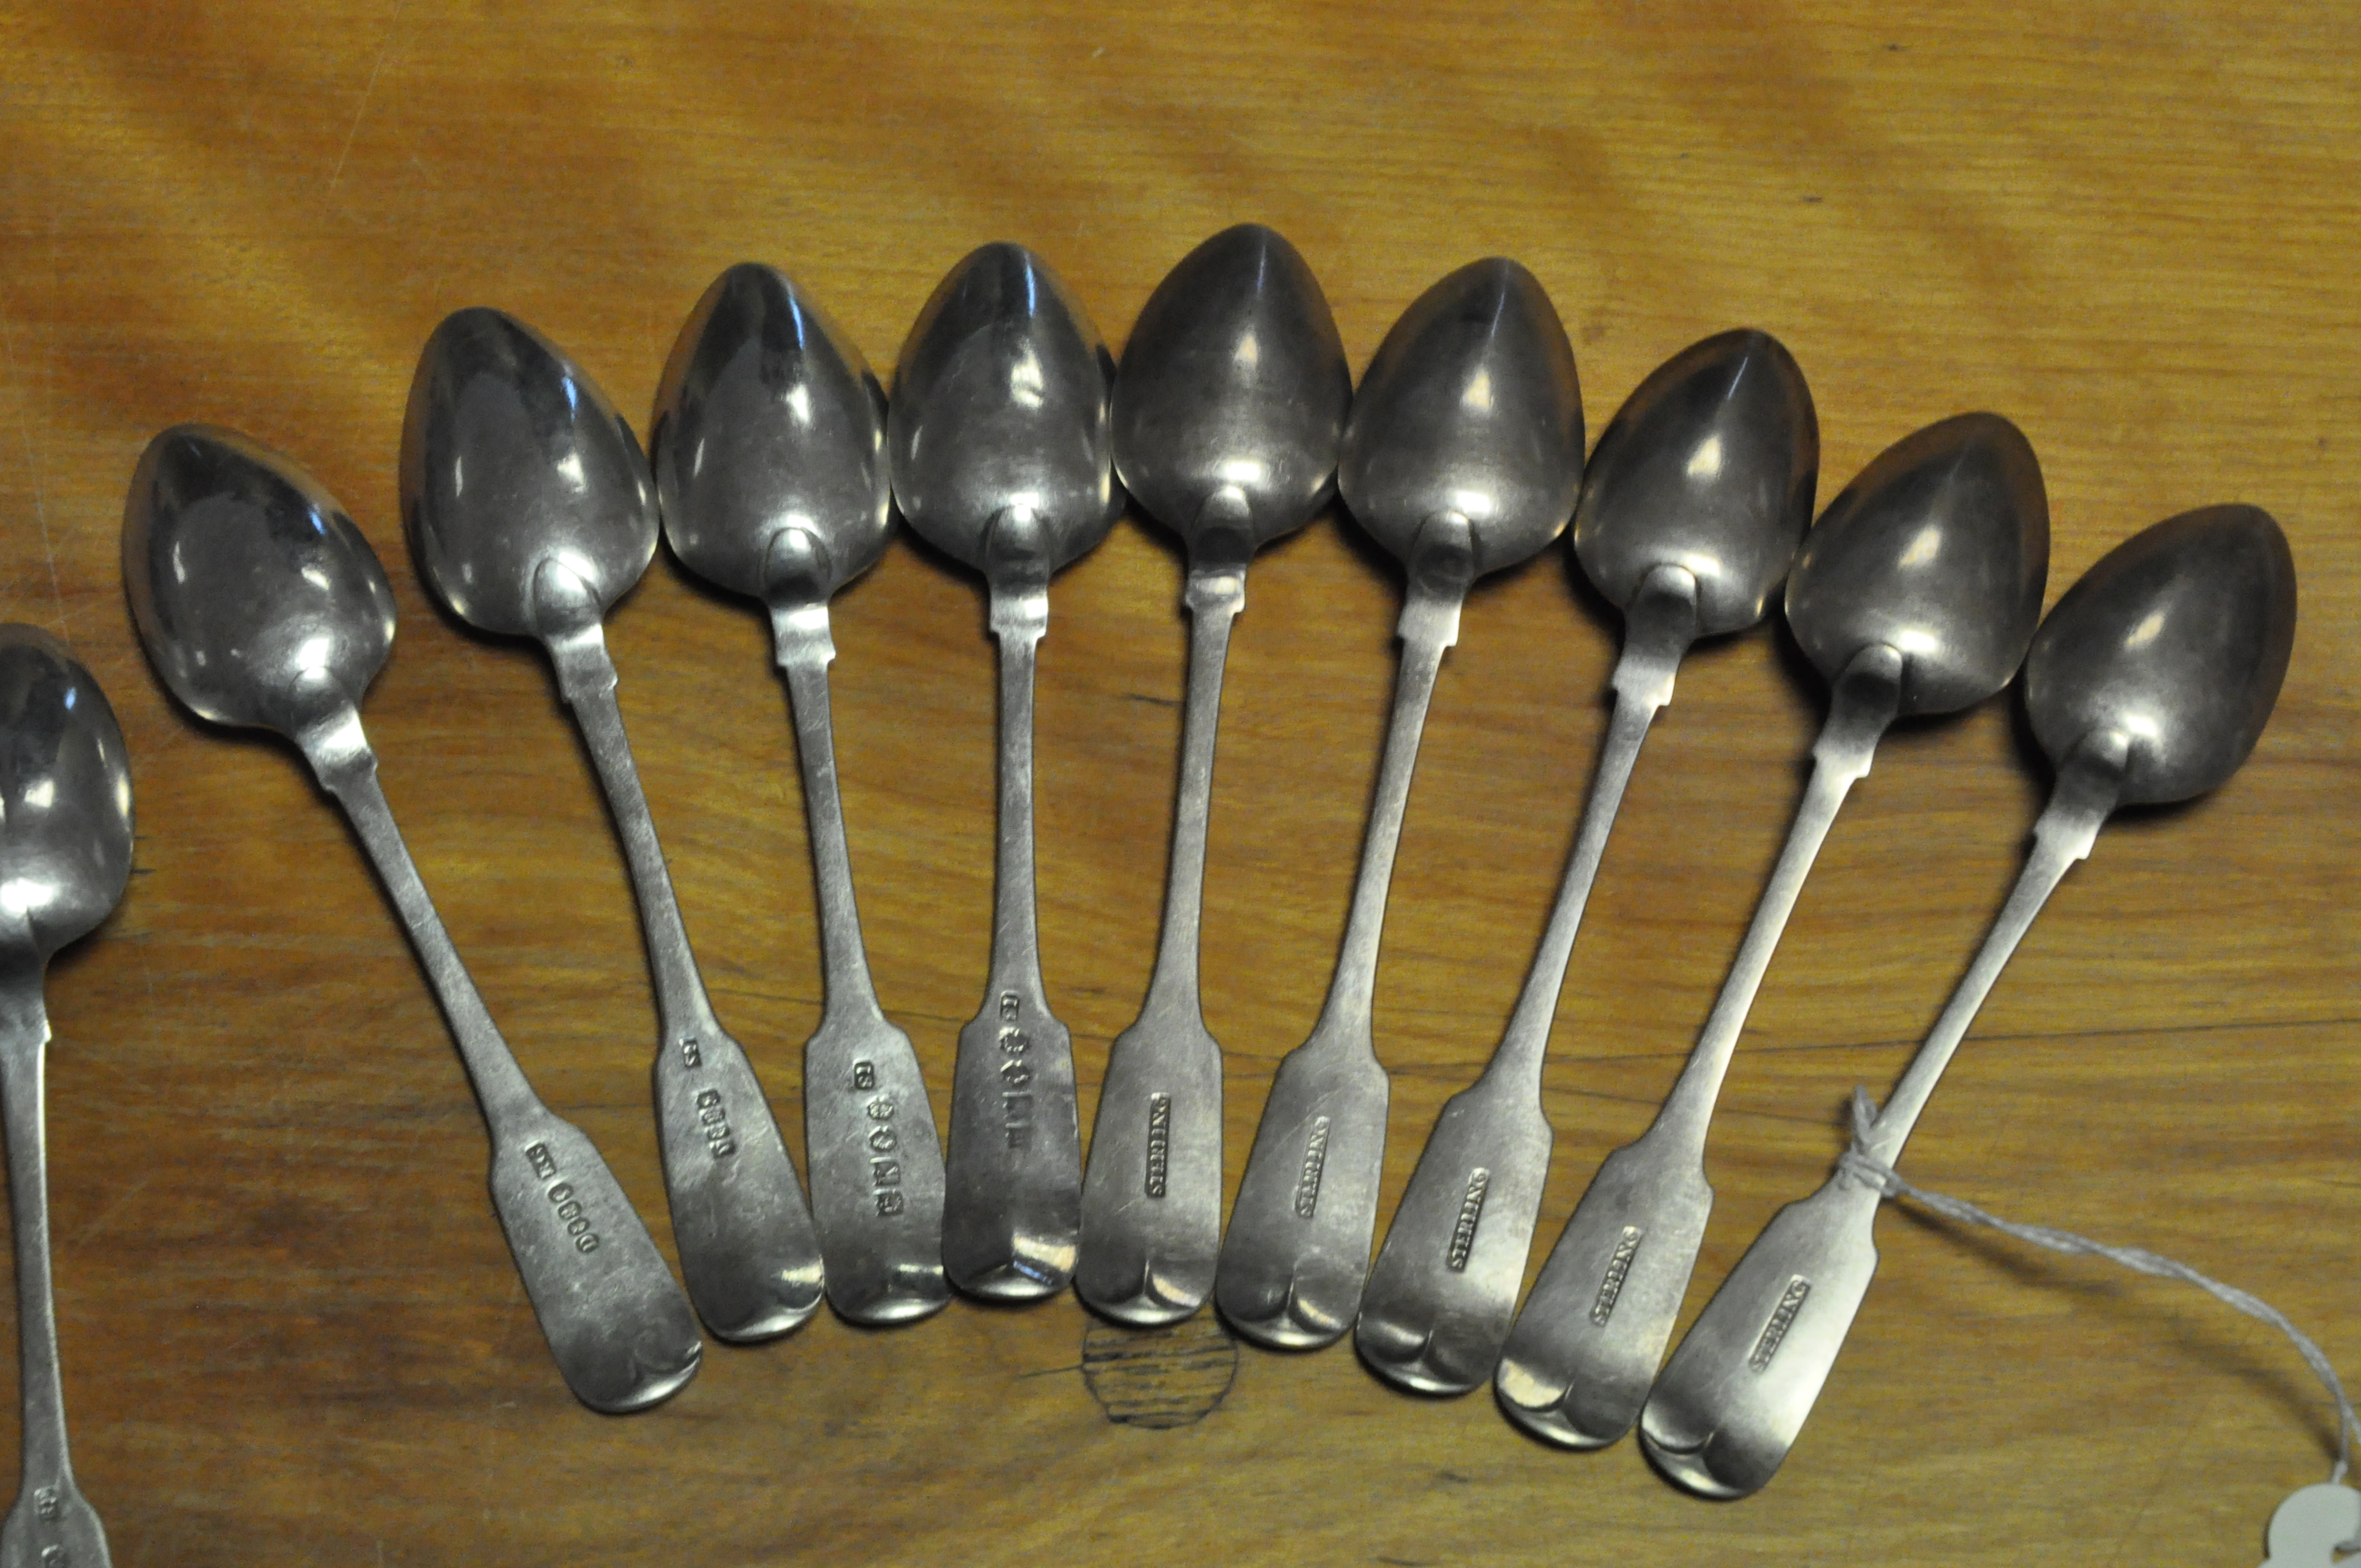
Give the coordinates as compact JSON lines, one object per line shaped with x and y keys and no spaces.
{"x":262,"y":605}
{"x":769,"y":452}
{"x":1229,"y":410}
{"x":532,"y":512}
{"x":1690,"y":512}
{"x":1915,"y":594}
{"x":1462,"y":455}
{"x":2150,"y":683}
{"x":65,"y":855}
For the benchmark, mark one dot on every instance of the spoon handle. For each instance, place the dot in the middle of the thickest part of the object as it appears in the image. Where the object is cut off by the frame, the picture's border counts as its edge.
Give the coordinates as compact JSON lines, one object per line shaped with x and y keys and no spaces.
{"x":747,"y":1245}
{"x":1012,"y":1214}
{"x":620,"y":1331}
{"x":1444,"y":1290}
{"x":1297,"y":1252}
{"x":1577,"y":1366}
{"x":1735,"y":1394}
{"x":51,"y":1523}
{"x":1152,"y":1194}
{"x":869,"y":1132}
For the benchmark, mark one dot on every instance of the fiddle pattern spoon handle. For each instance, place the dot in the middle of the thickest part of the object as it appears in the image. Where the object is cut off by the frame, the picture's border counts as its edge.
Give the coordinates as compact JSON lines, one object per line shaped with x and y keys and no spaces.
{"x":1152,"y":1193}
{"x":747,"y":1246}
{"x":1579,"y":1364}
{"x":1012,"y":1212}
{"x":620,"y":1328}
{"x":1735,"y":1394}
{"x":50,"y":1526}
{"x":1444,"y":1290}
{"x":868,"y":1134}
{"x":1297,"y":1253}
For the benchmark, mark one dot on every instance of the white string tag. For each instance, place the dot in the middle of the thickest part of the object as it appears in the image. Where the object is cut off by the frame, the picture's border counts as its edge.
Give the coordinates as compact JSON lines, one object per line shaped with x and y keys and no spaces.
{"x":2315,"y":1523}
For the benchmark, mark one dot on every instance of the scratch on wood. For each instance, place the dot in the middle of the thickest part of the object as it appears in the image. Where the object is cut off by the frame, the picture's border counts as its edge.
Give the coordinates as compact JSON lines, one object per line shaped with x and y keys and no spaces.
{"x":1159,"y":1379}
{"x":360,"y":110}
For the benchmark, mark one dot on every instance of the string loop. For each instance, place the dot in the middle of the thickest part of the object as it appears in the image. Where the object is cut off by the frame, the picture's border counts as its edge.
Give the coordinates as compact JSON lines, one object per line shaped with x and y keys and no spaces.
{"x":1863,"y":1167}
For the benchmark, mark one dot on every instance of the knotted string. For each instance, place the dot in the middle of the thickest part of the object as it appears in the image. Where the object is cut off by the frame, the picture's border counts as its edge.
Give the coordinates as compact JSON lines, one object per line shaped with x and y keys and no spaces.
{"x":1863,"y":1167}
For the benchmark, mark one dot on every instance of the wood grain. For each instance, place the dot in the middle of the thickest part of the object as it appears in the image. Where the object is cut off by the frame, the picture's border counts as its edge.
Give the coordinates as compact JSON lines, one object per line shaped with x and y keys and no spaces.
{"x":291,"y":1328}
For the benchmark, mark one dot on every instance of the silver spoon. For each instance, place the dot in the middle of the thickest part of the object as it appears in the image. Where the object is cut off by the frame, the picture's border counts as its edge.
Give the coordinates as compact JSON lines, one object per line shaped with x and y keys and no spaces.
{"x":65,"y":854}
{"x":260,"y":604}
{"x":1462,"y":455}
{"x":1915,"y":594}
{"x":532,"y":512}
{"x":1001,"y":450}
{"x":2150,"y":683}
{"x":1690,"y":512}
{"x":1229,"y":410}
{"x":769,"y":450}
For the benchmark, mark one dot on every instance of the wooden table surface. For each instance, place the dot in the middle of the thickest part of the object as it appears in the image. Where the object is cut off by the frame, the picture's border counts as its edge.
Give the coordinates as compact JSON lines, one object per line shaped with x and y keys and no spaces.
{"x":291,"y":1328}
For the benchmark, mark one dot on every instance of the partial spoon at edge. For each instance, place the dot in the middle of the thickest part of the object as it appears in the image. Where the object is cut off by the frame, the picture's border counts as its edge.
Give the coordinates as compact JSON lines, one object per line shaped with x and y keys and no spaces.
{"x":1690,"y":512}
{"x":1000,"y":442}
{"x":262,"y":605}
{"x":1915,"y":594}
{"x":769,"y":452}
{"x":531,"y":510}
{"x":2150,"y":683}
{"x":1229,"y":406}
{"x":1462,"y":455}
{"x":65,"y":855}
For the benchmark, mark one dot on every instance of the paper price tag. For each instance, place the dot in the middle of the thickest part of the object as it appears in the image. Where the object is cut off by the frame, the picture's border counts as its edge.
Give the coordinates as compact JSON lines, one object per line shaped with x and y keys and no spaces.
{"x":2315,"y":1528}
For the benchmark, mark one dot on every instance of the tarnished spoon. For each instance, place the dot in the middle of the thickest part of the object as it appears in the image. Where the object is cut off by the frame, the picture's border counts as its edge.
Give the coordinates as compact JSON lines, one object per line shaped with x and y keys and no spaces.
{"x":260,"y":604}
{"x":1002,"y":454}
{"x":2149,"y":683}
{"x":531,"y":510}
{"x":1689,"y":516}
{"x":769,"y":450}
{"x":1915,"y":594}
{"x":1462,"y":455}
{"x":1229,"y":410}
{"x":65,"y":854}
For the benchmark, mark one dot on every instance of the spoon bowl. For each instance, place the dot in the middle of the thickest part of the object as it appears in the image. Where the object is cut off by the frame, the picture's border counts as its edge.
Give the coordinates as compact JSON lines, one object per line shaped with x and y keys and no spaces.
{"x":769,"y":421}
{"x":513,"y":461}
{"x":260,"y":602}
{"x":1471,"y":408}
{"x":2177,"y":638}
{"x":1001,"y":403}
{"x":1710,"y":466}
{"x":1939,"y":550}
{"x":1234,"y":382}
{"x":65,"y":795}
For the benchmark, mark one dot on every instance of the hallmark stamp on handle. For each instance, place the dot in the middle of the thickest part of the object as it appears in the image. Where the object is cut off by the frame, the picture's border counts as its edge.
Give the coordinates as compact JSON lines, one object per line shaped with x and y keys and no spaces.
{"x":1782,"y":1318}
{"x":1471,"y":1210}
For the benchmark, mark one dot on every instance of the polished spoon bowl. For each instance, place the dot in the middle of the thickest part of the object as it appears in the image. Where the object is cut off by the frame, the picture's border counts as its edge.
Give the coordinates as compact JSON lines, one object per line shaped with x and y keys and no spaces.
{"x":65,"y":855}
{"x":1000,"y":442}
{"x":769,"y":452}
{"x":531,"y":512}
{"x":1462,"y":455}
{"x":262,"y":605}
{"x":1229,"y":408}
{"x":1690,"y":512}
{"x":1915,"y":594}
{"x":2150,"y":683}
